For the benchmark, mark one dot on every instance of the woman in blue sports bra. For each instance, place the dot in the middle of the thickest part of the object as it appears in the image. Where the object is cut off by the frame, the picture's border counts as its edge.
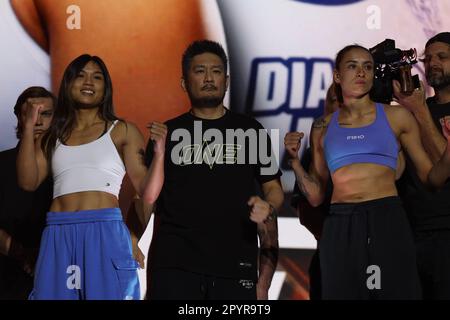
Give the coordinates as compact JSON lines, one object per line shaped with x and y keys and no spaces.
{"x":86,"y":250}
{"x":366,"y":248}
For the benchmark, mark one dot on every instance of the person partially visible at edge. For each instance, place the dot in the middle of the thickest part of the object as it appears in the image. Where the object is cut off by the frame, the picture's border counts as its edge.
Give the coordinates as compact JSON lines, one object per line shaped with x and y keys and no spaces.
{"x":22,"y":213}
{"x":429,"y":212}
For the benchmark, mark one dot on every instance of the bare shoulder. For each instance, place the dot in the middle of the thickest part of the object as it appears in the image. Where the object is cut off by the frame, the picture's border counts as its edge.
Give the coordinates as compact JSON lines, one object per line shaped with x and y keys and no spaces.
{"x":127,"y":132}
{"x":400,"y":119}
{"x":398,"y":115}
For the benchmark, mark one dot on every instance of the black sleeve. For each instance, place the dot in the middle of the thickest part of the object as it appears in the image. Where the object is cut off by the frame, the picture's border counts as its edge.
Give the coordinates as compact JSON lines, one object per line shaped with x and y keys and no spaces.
{"x":3,"y":181}
{"x":8,"y":187}
{"x":270,"y":171}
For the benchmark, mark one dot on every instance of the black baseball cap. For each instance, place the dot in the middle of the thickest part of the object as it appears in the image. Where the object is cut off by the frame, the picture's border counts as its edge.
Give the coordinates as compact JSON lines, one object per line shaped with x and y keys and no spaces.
{"x":440,"y":37}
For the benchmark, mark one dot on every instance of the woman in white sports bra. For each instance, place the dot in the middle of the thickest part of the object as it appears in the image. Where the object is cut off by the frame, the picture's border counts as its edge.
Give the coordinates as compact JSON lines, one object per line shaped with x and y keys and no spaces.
{"x":86,"y":249}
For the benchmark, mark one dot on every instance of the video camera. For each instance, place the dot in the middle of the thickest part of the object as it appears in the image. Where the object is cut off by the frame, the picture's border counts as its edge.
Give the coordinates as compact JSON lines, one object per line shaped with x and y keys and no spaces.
{"x":392,"y":63}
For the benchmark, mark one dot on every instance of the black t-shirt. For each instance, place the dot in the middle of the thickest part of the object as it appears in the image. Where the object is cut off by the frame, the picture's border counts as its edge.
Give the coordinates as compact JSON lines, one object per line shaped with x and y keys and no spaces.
{"x":427,"y":210}
{"x":22,"y":215}
{"x":204,"y":224}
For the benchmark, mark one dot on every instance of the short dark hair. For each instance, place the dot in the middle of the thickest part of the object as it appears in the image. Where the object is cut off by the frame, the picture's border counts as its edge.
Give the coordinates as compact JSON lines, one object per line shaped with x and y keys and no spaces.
{"x":340,"y":55}
{"x":31,"y":92}
{"x":440,"y":37}
{"x":200,"y":47}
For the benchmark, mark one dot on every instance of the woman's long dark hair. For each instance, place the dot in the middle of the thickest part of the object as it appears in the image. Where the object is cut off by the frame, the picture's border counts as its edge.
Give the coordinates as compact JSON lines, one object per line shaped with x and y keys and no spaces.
{"x":65,"y":112}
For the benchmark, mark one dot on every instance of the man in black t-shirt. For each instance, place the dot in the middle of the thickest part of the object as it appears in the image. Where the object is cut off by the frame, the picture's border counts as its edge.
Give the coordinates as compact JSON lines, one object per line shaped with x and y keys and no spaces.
{"x":22,"y":213}
{"x":429,"y":210}
{"x":208,"y":215}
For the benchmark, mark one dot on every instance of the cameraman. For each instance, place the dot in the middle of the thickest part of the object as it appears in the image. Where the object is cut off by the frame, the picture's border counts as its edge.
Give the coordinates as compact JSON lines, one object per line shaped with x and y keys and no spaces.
{"x":430,"y":212}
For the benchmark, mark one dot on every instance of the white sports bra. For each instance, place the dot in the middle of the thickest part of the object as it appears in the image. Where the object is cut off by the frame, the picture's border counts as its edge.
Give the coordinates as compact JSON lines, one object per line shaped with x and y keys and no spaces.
{"x":94,"y":166}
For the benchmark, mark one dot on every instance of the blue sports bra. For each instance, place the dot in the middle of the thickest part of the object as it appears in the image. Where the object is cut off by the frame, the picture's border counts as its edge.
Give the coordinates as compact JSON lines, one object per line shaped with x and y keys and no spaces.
{"x":374,"y":143}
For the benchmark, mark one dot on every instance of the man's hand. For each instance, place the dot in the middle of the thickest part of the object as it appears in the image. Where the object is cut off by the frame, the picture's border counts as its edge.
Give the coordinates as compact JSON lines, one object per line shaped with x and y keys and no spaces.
{"x":26,"y":257}
{"x":158,"y":133}
{"x":260,"y":209}
{"x":29,"y":263}
{"x":137,"y":253}
{"x":445,"y":123}
{"x":32,"y":109}
{"x":415,"y":102}
{"x":138,"y":256}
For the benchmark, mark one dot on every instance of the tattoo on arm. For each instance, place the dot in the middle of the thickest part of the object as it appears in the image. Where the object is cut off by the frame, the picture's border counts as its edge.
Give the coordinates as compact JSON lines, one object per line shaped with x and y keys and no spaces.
{"x":268,"y":253}
{"x":301,"y":184}
{"x":302,"y":188}
{"x":319,"y":123}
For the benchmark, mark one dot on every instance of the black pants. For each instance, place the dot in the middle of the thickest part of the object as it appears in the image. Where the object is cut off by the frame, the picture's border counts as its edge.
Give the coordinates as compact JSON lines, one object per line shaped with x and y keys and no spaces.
{"x":367,"y":252}
{"x":315,"y":282}
{"x":176,"y":284}
{"x":15,"y":284}
{"x":433,"y":259}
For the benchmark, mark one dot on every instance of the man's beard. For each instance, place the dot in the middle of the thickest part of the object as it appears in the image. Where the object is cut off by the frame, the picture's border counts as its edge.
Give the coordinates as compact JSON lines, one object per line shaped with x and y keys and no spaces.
{"x":438,"y":80}
{"x":206,"y":102}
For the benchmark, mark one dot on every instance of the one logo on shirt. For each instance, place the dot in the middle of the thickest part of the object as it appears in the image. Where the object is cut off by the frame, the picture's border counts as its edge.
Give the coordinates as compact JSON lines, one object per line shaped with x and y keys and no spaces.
{"x":209,"y":154}
{"x":360,"y":137}
{"x":234,"y":146}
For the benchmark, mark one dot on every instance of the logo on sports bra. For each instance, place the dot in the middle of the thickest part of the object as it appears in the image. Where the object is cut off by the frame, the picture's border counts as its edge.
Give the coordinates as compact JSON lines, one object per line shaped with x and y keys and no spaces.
{"x":360,"y":137}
